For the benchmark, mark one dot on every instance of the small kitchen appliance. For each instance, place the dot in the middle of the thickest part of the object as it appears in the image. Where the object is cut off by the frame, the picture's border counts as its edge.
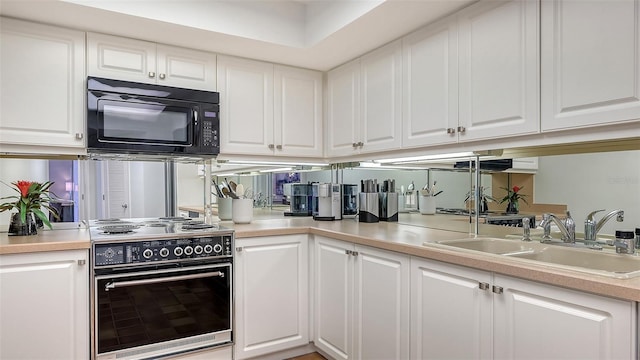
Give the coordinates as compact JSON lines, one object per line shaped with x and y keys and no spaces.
{"x":349,"y":200}
{"x":327,"y":201}
{"x":369,"y":202}
{"x":388,"y":197}
{"x":159,"y":287}
{"x":133,"y":118}
{"x":300,"y":203}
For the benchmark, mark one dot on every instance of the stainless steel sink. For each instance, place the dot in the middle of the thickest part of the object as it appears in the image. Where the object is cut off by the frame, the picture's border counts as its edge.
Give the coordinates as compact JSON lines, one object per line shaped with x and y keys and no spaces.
{"x":602,"y":262}
{"x":490,"y":245}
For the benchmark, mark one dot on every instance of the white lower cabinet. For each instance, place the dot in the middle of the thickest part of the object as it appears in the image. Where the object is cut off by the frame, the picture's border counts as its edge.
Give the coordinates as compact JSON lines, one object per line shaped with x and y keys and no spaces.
{"x":271,"y":294}
{"x":361,"y":301}
{"x":462,"y":313}
{"x":44,"y":309}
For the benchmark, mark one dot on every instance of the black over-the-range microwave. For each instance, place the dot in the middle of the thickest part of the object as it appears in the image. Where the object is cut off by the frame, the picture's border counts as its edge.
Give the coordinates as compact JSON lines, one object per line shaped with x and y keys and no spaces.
{"x":134,"y":118}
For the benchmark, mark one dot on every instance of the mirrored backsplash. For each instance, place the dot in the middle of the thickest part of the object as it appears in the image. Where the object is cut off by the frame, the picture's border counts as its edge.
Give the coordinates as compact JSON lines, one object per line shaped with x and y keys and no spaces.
{"x":581,"y":183}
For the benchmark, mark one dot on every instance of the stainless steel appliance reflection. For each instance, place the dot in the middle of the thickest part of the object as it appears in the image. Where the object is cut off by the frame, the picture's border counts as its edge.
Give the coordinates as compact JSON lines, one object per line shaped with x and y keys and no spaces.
{"x":349,"y":200}
{"x":300,"y":200}
{"x":160,"y":287}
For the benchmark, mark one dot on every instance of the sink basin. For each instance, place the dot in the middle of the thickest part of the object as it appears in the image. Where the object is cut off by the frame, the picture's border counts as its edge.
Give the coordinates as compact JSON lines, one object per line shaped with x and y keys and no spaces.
{"x":617,"y":265}
{"x":600,"y":262}
{"x":490,"y":245}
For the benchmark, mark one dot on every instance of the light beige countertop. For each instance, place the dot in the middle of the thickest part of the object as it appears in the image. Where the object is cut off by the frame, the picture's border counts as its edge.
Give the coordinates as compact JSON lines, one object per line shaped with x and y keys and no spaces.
{"x":64,"y":236}
{"x":407,"y":236}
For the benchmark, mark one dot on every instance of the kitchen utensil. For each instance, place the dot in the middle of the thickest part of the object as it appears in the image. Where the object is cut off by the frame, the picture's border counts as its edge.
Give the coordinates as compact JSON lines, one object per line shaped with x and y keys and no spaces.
{"x":438,"y":193}
{"x":239,"y":190}
{"x":233,"y":185}
{"x":218,"y":192}
{"x":230,"y":190}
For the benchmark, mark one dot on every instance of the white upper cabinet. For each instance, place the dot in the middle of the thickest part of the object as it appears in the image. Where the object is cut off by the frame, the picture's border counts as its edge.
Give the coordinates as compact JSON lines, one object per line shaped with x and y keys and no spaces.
{"x":269,"y":110}
{"x":246,"y":106}
{"x":381,"y":98}
{"x":141,"y":61}
{"x":498,"y":75}
{"x":365,"y":103}
{"x":472,"y":76}
{"x":590,"y":63}
{"x":343,"y":109}
{"x":430,"y":101}
{"x":42,"y":89}
{"x":297,"y":112}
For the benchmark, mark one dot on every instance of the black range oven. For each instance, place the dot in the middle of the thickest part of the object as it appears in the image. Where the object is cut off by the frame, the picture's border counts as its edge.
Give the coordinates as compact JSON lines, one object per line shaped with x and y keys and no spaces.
{"x":160,"y":288}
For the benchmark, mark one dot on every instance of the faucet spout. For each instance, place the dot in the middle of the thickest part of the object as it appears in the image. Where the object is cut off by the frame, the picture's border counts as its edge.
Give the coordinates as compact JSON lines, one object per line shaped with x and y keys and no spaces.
{"x":567,"y":227}
{"x":619,"y":214}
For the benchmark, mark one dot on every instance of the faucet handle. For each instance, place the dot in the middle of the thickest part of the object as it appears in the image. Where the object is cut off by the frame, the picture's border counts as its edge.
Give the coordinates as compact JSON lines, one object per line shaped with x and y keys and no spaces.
{"x":591,"y":214}
{"x":526,"y":229}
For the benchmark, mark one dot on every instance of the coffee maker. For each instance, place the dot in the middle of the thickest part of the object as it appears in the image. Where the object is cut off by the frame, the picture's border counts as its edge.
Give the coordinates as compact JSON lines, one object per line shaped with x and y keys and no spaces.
{"x":301,"y":200}
{"x":349,"y":200}
{"x":327,"y":201}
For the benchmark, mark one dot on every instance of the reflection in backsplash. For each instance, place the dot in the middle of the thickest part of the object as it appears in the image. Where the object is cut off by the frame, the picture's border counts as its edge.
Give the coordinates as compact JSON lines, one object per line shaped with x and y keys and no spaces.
{"x":582,"y":182}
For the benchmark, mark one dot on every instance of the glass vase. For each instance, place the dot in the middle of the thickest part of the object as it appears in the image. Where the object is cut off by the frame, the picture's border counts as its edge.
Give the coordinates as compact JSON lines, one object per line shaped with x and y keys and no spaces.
{"x":19,"y":228}
{"x":512,"y":207}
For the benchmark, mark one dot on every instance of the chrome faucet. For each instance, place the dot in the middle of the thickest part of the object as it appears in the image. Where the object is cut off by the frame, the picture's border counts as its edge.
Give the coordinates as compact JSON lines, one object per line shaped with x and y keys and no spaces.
{"x":566,"y":227}
{"x":592,"y":227}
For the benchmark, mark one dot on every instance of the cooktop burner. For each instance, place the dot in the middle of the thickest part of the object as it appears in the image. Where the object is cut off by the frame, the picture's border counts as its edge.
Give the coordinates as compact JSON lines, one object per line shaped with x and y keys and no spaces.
{"x":151,"y":228}
{"x":118,"y":229}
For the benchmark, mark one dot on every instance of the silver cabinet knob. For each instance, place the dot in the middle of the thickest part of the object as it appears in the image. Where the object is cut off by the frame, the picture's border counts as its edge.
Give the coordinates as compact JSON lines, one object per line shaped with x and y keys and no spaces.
{"x":161,"y":76}
{"x":497,"y":289}
{"x":360,"y":144}
{"x":461,"y":129}
{"x":79,"y":136}
{"x":483,"y":286}
{"x":271,"y":146}
{"x":279,"y":147}
{"x":124,"y":206}
{"x":355,"y":145}
{"x":152,"y":74}
{"x":82,"y":262}
{"x":451,"y":131}
{"x":239,"y":249}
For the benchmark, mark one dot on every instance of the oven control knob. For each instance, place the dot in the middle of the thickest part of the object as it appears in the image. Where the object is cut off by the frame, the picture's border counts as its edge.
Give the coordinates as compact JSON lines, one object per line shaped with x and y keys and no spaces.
{"x":177,"y":251}
{"x":188,"y":250}
{"x":147,"y":253}
{"x":208,"y":249}
{"x":198,"y":249}
{"x":217,"y":248}
{"x":164,"y":252}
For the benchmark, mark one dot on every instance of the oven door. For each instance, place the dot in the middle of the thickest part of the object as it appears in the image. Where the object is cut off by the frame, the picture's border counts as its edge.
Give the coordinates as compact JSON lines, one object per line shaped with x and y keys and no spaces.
{"x":153,"y":313}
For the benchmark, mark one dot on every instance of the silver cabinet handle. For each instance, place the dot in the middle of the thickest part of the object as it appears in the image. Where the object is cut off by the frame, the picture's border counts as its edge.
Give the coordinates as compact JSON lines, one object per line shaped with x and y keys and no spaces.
{"x":451,"y":131}
{"x":271,"y":146}
{"x":497,"y":289}
{"x":152,"y":74}
{"x":79,"y":136}
{"x":113,"y":285}
{"x":461,"y":129}
{"x":483,"y":286}
{"x":279,"y":147}
{"x":161,"y":76}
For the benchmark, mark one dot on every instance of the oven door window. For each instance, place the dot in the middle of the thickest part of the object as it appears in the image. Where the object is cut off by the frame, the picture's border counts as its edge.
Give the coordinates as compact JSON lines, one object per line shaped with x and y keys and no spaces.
{"x":158,"y":306}
{"x":146,"y":122}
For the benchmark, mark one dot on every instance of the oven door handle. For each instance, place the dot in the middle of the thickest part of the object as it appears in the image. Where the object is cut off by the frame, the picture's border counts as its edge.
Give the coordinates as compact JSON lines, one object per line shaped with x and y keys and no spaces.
{"x":114,"y":284}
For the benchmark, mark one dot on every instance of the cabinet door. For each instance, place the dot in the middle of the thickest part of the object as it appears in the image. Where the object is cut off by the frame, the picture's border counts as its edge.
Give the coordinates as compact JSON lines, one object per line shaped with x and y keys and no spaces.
{"x":343,"y":107}
{"x":42,"y":101}
{"x":381,"y":305}
{"x":297,"y":112}
{"x":537,"y":321}
{"x":121,"y":58}
{"x":246,"y":106}
{"x":430,"y":94}
{"x":590,"y":63}
{"x":381,"y":99}
{"x":451,"y":316}
{"x":271,"y":295}
{"x":499,"y":69}
{"x":333,"y":298}
{"x":44,"y":310}
{"x":186,"y":68}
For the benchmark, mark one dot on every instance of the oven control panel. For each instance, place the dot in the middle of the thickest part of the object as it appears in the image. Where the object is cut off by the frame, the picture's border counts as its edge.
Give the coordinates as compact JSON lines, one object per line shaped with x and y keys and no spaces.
{"x":126,"y":253}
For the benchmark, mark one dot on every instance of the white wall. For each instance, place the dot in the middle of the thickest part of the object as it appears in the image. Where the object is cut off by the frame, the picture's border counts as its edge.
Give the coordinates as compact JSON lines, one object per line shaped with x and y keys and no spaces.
{"x":588,"y":182}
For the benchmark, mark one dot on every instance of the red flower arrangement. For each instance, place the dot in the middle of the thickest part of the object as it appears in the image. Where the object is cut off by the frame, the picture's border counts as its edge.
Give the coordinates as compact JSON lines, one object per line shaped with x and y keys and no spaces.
{"x":33,"y":196}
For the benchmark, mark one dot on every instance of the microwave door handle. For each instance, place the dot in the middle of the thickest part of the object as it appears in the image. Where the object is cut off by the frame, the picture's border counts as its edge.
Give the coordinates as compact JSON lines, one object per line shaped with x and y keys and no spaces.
{"x":195,"y":115}
{"x":114,"y":284}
